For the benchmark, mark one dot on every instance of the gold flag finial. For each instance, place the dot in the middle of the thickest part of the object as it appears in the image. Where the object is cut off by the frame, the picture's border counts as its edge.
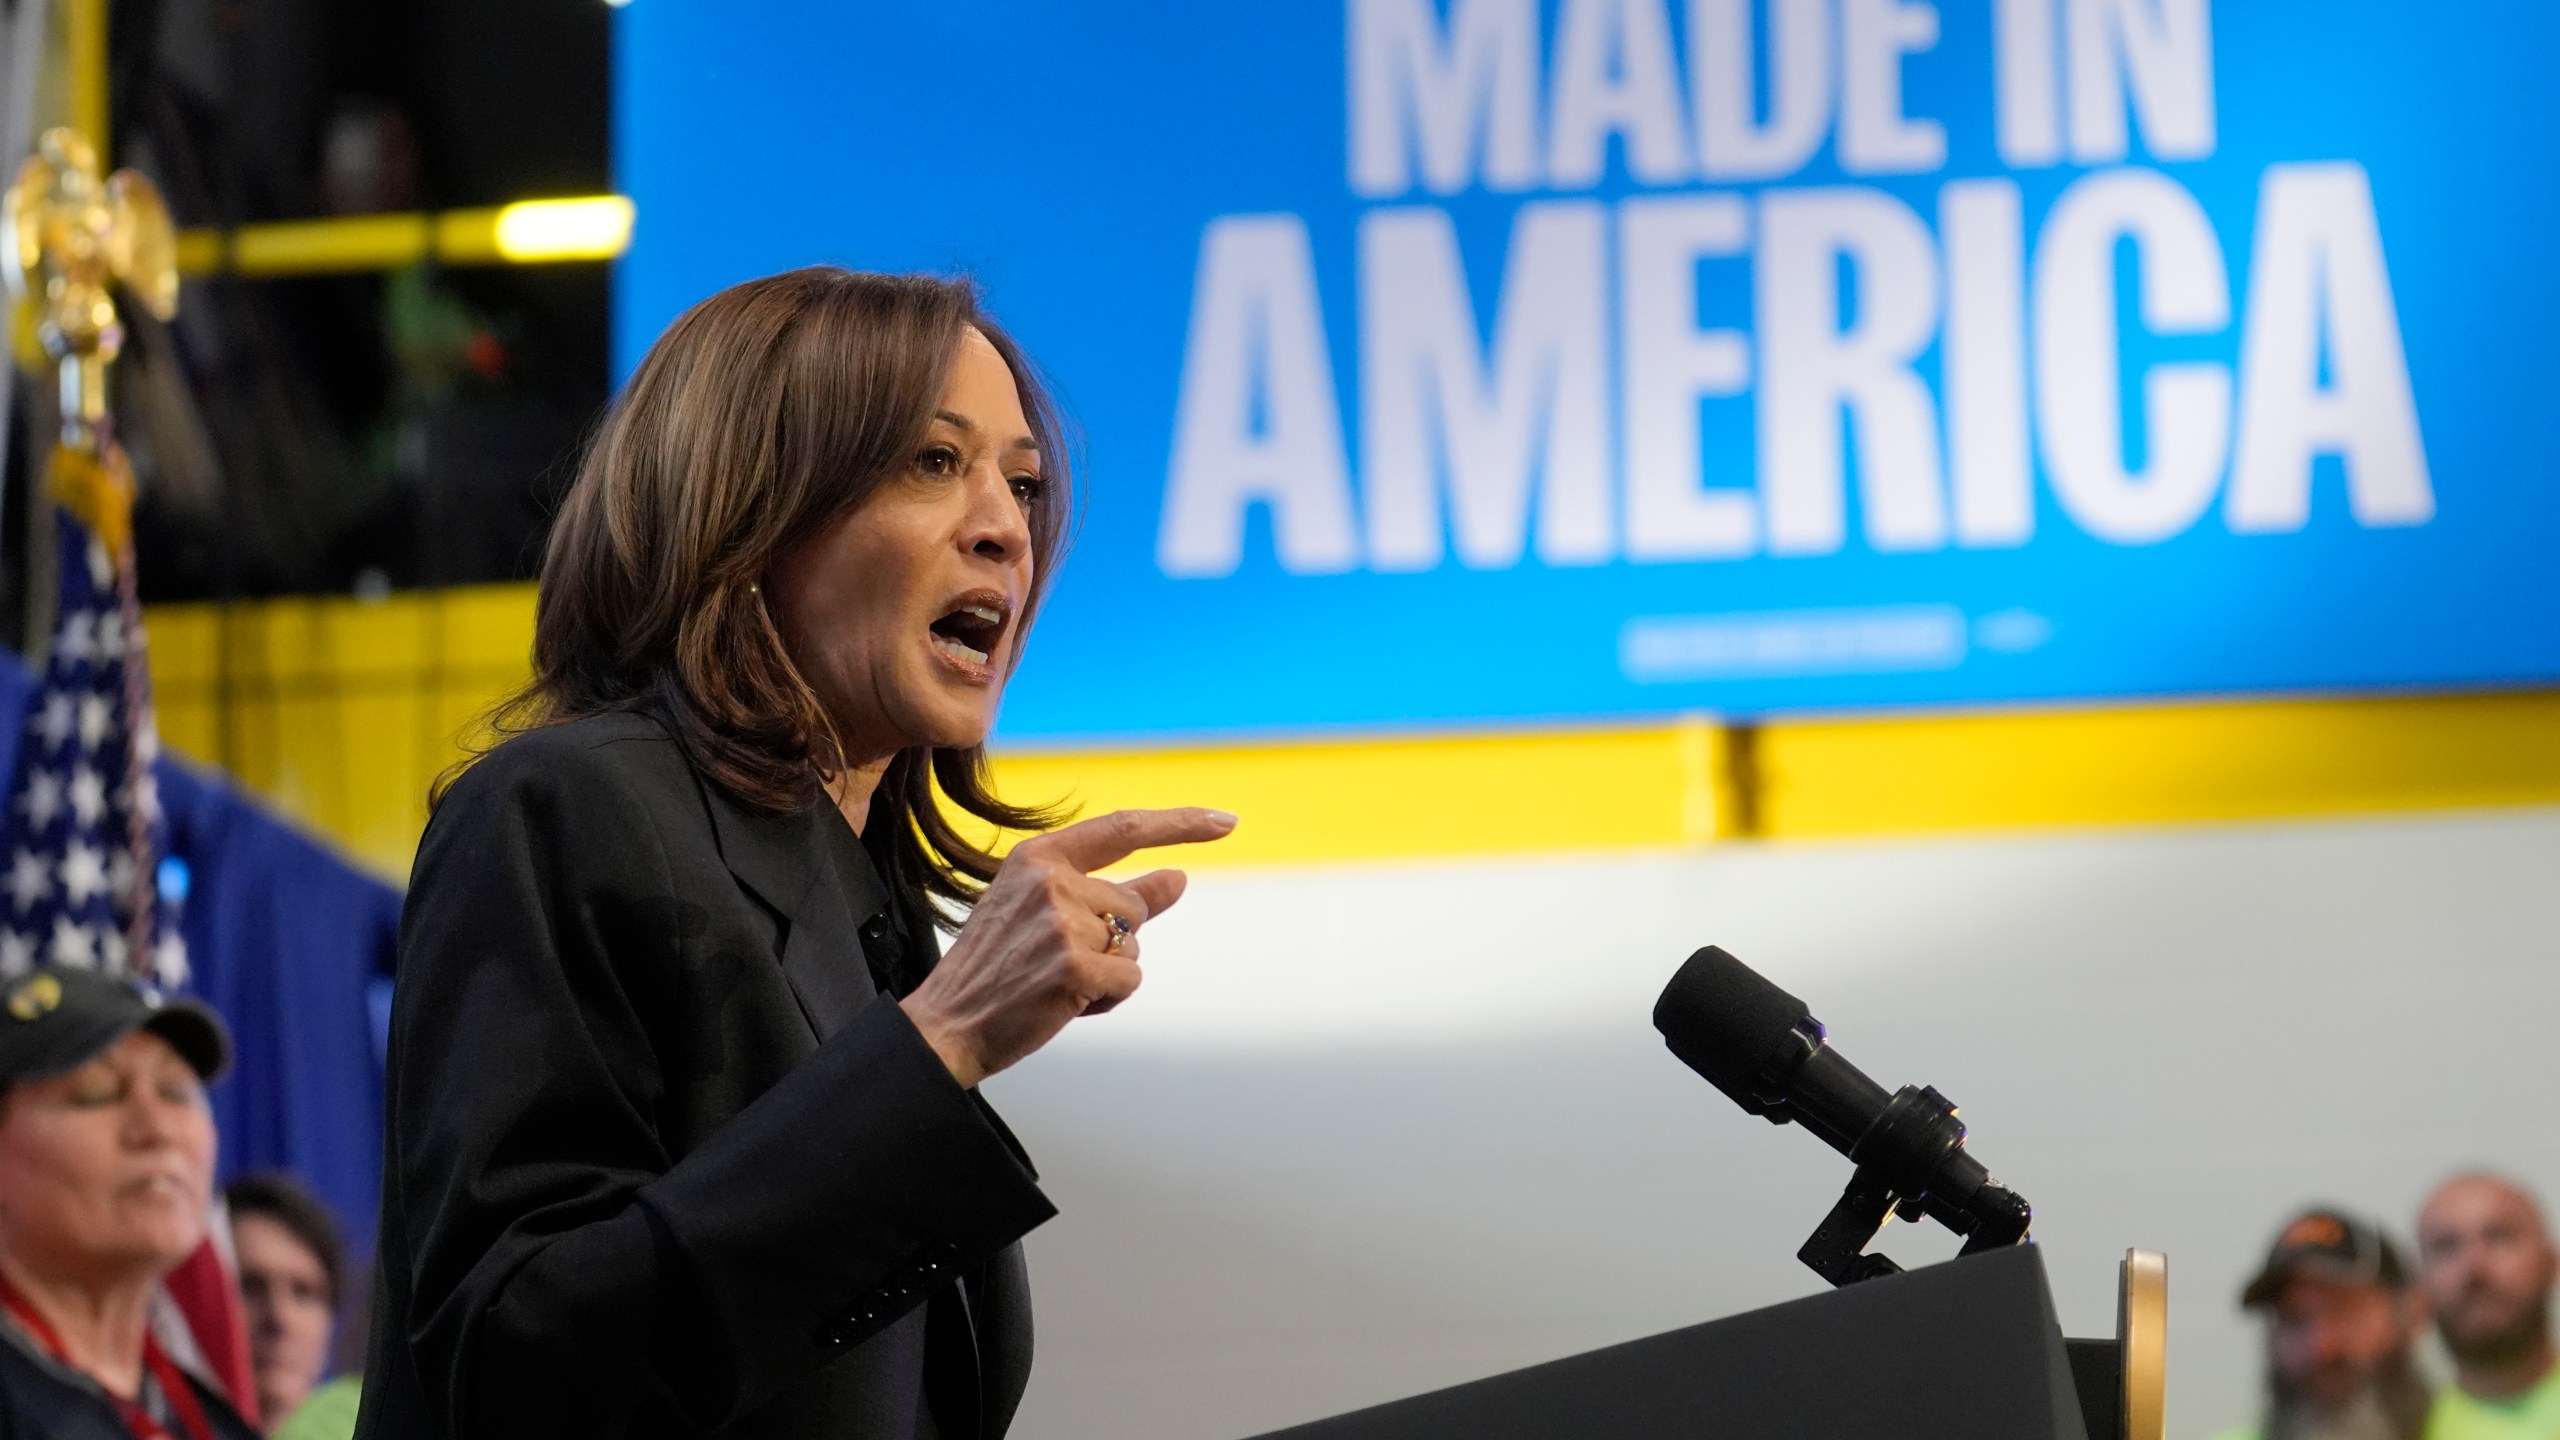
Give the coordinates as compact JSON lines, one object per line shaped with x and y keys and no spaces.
{"x":68,"y":239}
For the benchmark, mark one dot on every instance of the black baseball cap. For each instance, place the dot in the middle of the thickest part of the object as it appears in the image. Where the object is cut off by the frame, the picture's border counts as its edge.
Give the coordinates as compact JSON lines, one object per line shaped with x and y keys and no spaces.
{"x":2327,"y":1244}
{"x":56,"y":1018}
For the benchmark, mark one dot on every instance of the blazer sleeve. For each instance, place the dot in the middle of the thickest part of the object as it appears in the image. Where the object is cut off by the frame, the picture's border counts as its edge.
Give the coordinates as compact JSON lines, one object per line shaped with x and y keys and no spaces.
{"x":566,"y":1274}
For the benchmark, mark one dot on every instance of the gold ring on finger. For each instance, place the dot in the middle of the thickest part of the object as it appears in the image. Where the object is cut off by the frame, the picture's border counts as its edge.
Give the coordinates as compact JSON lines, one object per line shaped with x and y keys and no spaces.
{"x":1121,"y":930}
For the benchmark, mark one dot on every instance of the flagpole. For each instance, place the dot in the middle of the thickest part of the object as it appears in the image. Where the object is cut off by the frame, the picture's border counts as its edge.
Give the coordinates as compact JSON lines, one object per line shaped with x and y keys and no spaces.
{"x":75,"y":246}
{"x":84,"y":45}
{"x":82,"y":860}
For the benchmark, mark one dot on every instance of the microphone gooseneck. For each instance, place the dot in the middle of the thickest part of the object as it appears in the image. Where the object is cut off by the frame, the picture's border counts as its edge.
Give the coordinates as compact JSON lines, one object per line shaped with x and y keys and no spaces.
{"x":1765,"y":1051}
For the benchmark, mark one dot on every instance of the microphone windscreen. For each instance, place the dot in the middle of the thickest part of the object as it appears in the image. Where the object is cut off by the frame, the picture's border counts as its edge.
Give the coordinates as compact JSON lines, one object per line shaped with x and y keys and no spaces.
{"x":1728,"y":1023}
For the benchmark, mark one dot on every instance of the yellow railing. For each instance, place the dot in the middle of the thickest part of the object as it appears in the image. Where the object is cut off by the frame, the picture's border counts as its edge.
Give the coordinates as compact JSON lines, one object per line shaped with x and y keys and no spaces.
{"x":529,"y":232}
{"x":342,"y":711}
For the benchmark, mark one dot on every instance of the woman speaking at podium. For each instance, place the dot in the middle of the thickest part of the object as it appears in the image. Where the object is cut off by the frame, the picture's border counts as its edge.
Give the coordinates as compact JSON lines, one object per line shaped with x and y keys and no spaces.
{"x":682,"y":1133}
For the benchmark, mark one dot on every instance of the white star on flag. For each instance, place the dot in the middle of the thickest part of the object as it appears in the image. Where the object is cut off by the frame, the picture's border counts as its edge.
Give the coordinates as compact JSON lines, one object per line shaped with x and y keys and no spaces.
{"x":17,"y":953}
{"x":84,"y":873}
{"x":44,"y":797}
{"x":169,"y":959}
{"x":97,"y":717}
{"x":113,"y":951}
{"x":111,"y":636}
{"x":72,"y":945}
{"x":30,"y":880}
{"x":120,"y":881}
{"x":54,"y":724}
{"x":88,"y":795}
{"x":78,"y":639}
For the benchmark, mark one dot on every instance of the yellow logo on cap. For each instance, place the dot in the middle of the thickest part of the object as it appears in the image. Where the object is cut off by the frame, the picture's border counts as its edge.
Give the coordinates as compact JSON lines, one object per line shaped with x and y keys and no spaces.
{"x":35,"y":997}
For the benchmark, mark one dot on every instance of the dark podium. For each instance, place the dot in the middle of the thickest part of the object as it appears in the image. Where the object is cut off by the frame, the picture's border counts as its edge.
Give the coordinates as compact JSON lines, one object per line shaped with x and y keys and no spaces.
{"x":1965,"y":1350}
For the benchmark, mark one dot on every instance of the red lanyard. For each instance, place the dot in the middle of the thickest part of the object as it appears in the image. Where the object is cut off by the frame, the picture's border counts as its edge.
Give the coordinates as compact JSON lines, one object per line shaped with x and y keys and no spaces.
{"x":173,"y":1385}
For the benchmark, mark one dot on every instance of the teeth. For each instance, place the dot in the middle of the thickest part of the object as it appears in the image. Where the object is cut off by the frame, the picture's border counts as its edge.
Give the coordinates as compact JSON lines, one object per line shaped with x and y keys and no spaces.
{"x":955,"y":648}
{"x":984,"y":613}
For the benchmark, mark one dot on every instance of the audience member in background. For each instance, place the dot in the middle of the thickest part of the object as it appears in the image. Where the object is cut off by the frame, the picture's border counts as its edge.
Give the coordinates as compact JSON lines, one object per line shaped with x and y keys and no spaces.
{"x":2342,"y":1324}
{"x":106,"y":1178}
{"x":2486,"y":1265}
{"x":293,"y":1276}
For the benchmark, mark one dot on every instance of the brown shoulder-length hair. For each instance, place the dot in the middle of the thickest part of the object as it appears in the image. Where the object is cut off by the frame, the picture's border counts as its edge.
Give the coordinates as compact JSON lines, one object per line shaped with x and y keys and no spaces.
{"x":760,"y":416}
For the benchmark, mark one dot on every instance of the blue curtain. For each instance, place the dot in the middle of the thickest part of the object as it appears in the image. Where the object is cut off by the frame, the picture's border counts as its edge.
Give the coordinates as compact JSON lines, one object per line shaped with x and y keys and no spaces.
{"x":294,"y":946}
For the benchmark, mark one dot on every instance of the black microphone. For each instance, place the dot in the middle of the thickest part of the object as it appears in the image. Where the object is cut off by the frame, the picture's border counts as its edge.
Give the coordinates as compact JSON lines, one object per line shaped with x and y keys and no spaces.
{"x":1765,"y":1051}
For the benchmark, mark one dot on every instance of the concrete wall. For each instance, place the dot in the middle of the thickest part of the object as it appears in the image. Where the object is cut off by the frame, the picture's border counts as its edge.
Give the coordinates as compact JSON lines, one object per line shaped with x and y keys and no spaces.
{"x":1370,"y":1131}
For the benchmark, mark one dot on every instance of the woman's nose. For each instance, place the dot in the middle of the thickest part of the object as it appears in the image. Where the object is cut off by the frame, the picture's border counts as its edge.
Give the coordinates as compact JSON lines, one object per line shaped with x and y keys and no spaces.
{"x":151,"y":1121}
{"x":997,"y":527}
{"x":145,"y":1128}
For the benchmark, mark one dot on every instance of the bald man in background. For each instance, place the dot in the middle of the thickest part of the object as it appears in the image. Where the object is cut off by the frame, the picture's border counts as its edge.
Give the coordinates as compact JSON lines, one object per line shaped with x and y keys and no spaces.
{"x":2486,"y":1266}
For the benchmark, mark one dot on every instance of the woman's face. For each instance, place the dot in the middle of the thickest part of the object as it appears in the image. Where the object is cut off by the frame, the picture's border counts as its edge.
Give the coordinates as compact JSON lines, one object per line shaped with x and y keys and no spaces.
{"x":106,"y":1171}
{"x":905,"y":615}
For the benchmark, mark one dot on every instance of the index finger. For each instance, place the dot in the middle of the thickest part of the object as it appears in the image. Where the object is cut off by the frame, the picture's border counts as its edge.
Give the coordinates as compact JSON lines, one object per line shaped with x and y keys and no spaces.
{"x":1104,"y":840}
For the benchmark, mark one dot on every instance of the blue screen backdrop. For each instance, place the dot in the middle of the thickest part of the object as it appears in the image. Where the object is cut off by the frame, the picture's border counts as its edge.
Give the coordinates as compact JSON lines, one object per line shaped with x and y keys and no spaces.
{"x":1448,"y":362}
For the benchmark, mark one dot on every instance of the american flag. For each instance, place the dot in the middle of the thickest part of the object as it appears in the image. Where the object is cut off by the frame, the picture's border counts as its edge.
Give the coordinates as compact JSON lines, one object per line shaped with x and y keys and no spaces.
{"x":83,"y":832}
{"x":83,"y":837}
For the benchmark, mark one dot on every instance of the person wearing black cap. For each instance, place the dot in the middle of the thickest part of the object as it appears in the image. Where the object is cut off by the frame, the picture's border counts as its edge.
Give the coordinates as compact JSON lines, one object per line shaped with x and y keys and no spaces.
{"x":106,"y":1181}
{"x":2342,"y":1327}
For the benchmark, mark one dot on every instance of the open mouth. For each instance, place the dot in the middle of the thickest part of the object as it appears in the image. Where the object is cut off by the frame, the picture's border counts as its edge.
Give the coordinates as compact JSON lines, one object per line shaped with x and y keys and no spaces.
{"x":972,"y":629}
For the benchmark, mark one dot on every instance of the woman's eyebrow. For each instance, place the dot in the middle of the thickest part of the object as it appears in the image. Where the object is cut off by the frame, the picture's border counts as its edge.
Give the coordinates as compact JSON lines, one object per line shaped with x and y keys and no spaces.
{"x":967,"y":426}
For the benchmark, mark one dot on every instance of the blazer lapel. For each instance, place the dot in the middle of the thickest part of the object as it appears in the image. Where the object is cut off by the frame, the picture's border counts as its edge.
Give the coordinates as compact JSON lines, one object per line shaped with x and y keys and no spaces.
{"x":783,"y":860}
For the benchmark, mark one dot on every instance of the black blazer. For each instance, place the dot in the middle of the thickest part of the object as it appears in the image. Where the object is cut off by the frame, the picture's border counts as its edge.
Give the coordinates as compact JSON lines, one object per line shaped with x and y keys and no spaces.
{"x":659,"y":1160}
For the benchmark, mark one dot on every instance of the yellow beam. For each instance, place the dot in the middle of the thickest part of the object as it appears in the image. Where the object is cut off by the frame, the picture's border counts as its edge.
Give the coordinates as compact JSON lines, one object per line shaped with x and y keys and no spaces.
{"x":596,"y":227}
{"x":468,"y":237}
{"x":202,"y":252}
{"x":2157,"y":763}
{"x":305,"y":247}
{"x":342,"y":711}
{"x":1381,"y":799}
{"x":1680,"y":784}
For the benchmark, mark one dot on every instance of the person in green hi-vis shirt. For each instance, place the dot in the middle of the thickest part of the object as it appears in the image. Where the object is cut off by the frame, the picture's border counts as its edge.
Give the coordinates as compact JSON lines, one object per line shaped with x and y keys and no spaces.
{"x":330,"y":1413}
{"x":293,"y":1285}
{"x":2342,"y":1329}
{"x":2485,"y":1266}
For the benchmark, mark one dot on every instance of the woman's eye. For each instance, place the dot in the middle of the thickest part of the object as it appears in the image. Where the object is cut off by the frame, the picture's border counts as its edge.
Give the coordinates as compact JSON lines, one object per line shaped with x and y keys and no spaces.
{"x":939,"y":460}
{"x":1029,"y":488}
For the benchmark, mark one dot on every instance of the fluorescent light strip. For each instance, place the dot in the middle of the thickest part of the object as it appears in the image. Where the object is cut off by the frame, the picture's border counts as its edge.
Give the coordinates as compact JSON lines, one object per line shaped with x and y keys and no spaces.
{"x":596,"y":228}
